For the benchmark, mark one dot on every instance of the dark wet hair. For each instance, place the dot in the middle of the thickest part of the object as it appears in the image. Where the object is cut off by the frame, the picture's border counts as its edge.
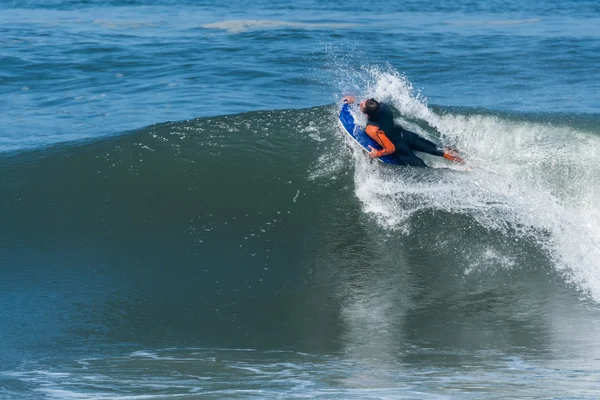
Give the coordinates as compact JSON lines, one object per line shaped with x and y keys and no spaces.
{"x":372,"y":107}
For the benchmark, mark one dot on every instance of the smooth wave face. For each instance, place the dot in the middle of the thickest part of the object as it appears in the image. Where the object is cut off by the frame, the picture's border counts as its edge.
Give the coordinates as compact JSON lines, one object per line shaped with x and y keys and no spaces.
{"x":270,"y":231}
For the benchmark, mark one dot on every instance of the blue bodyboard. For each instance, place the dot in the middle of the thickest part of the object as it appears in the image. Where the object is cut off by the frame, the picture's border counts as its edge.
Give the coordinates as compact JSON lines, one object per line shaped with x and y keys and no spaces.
{"x":357,"y":133}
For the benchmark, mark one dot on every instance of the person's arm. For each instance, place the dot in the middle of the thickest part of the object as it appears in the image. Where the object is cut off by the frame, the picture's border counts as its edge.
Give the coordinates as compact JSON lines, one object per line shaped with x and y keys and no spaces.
{"x":348,"y":99}
{"x":379,"y":136}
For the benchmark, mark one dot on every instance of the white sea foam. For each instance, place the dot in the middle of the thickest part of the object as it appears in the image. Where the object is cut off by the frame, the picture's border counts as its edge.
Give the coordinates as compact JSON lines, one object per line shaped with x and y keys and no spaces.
{"x":529,"y":179}
{"x":239,"y":26}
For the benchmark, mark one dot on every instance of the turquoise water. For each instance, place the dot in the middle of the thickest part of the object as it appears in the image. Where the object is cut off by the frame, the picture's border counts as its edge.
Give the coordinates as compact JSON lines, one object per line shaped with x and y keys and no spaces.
{"x":182,"y":217}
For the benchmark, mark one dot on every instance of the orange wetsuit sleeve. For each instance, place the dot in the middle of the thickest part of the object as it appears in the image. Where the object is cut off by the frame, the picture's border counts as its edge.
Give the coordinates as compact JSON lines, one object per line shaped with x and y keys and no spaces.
{"x":379,"y":136}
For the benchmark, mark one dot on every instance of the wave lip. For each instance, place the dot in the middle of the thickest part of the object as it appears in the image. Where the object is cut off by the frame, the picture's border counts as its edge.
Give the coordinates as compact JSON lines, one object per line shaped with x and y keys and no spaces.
{"x":532,"y":181}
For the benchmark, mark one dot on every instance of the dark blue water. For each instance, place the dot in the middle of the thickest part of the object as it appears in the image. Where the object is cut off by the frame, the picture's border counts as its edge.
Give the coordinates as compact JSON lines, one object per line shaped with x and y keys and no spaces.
{"x":83,"y":69}
{"x":182,"y":217}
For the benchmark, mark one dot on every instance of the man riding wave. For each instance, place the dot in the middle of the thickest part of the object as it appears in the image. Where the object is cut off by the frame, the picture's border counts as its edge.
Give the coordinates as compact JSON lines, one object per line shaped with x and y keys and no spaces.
{"x":394,"y":139}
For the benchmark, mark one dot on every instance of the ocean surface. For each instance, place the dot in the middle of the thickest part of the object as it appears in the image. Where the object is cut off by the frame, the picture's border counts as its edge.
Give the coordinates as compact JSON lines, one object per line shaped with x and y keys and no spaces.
{"x":181,"y":216}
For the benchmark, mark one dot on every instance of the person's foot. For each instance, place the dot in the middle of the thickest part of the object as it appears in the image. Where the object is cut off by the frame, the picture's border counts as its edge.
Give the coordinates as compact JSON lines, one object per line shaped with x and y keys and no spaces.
{"x":452,"y":155}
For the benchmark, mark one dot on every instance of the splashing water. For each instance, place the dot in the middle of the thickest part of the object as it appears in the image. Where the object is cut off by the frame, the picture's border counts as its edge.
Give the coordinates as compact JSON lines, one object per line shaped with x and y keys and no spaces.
{"x":530,"y":180}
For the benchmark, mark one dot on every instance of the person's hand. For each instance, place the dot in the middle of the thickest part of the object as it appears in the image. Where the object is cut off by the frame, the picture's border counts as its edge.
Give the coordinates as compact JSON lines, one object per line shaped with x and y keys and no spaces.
{"x":348,"y":99}
{"x":374,"y":153}
{"x":452,"y":155}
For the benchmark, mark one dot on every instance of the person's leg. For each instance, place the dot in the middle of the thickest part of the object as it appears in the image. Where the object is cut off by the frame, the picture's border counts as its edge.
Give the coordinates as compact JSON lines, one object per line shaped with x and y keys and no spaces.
{"x":410,"y":160}
{"x":417,"y":143}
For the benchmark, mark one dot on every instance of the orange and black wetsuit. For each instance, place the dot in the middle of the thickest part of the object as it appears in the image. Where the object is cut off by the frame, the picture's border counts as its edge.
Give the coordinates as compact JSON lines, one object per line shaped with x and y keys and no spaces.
{"x":397,"y":141}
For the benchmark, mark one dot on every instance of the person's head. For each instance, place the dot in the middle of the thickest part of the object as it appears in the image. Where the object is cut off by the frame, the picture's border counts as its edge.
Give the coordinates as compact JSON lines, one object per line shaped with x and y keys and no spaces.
{"x":370,"y":107}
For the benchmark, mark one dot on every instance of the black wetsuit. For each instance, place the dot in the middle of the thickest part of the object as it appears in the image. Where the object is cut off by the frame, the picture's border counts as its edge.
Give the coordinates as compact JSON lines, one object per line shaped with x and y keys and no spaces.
{"x":405,"y":141}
